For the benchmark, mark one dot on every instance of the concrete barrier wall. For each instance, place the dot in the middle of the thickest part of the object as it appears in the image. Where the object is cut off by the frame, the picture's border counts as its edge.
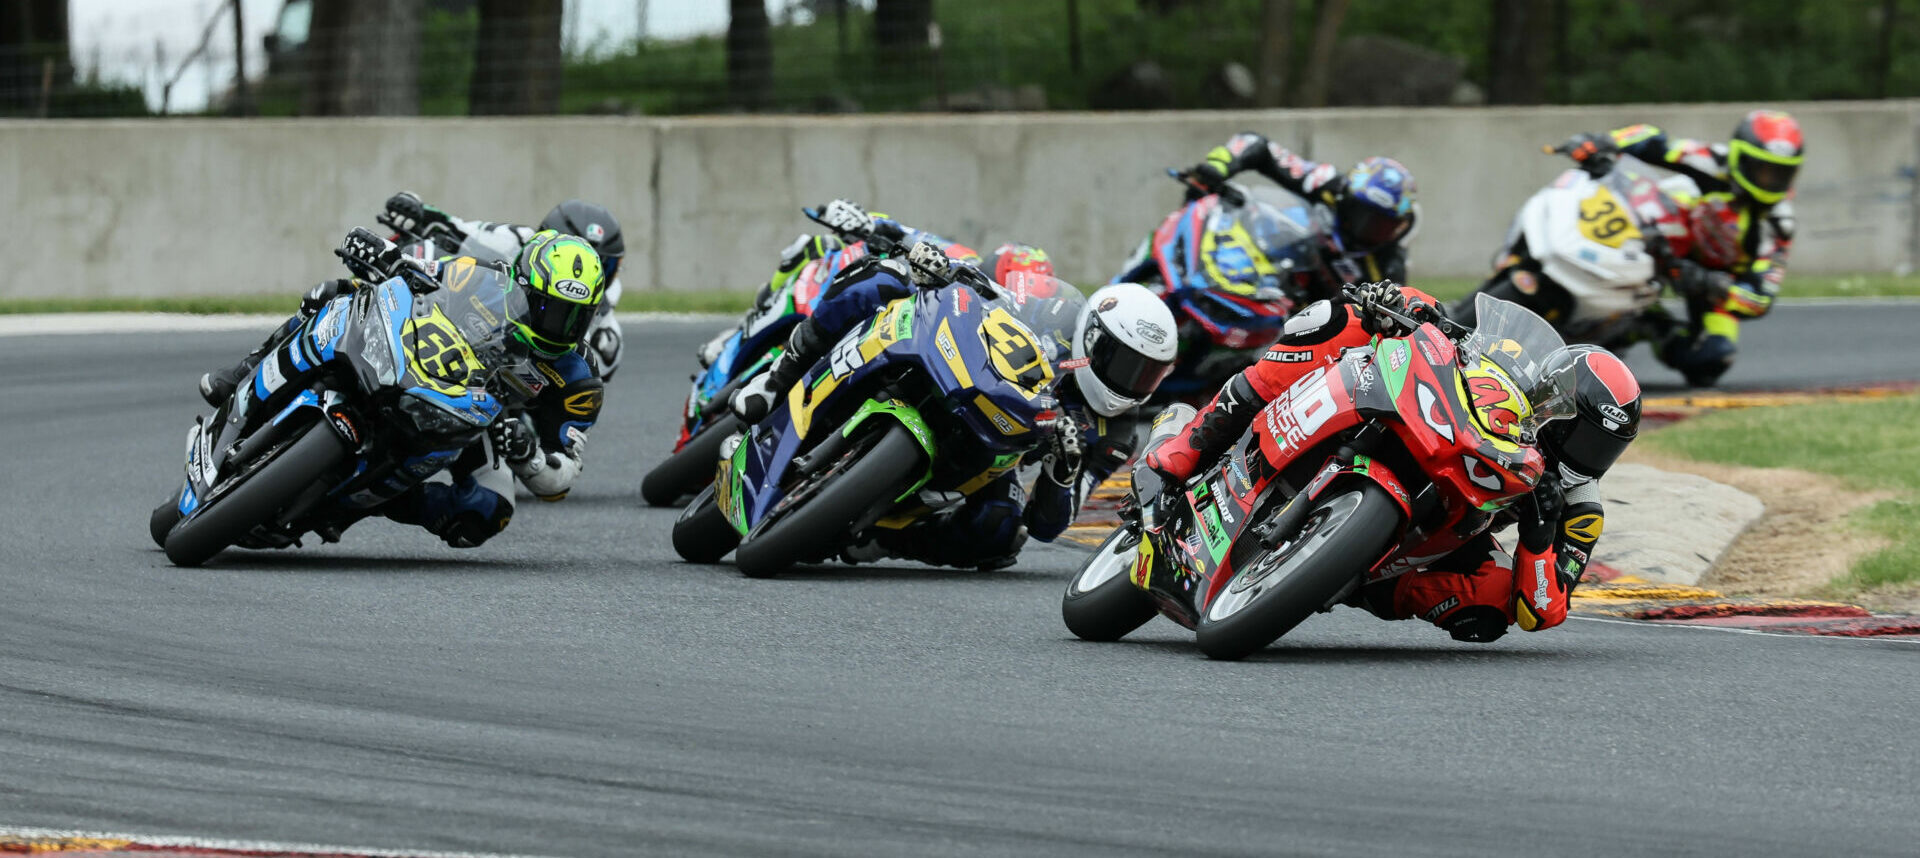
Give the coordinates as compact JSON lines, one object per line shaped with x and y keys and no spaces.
{"x":226,"y":207}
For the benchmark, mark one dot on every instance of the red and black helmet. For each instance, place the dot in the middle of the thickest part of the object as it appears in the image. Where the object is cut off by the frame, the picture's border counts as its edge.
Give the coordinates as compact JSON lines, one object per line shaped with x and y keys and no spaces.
{"x":1607,"y":414}
{"x":1764,"y":154}
{"x":1011,"y":257}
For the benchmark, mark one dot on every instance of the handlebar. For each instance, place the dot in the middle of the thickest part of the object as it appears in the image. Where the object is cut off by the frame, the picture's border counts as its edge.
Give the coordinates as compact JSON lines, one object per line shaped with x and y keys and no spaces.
{"x":1225,"y":190}
{"x":1454,"y":330}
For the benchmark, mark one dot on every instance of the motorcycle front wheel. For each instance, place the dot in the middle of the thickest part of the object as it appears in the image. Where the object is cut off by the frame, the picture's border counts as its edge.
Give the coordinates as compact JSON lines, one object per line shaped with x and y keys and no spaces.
{"x":261,"y":495}
{"x":1101,"y":602}
{"x":866,"y":477}
{"x":702,"y":534}
{"x":1274,"y":591}
{"x":687,"y":469}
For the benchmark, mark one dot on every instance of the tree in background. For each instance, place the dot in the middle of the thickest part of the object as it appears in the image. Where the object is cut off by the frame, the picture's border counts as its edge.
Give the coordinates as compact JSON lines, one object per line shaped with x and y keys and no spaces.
{"x":34,"y":58}
{"x":1517,"y":49}
{"x":363,"y":59}
{"x":900,"y":30}
{"x":1276,"y":52}
{"x":1327,"y":17}
{"x":749,"y":55}
{"x":516,"y":58}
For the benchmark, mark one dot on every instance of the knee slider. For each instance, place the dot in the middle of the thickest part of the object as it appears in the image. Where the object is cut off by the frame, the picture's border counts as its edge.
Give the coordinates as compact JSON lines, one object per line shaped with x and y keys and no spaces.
{"x":1476,"y":624}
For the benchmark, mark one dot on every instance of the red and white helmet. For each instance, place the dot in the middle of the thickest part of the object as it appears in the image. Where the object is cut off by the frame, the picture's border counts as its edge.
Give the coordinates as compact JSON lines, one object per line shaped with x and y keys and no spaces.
{"x":1764,"y":154}
{"x":1123,"y":346}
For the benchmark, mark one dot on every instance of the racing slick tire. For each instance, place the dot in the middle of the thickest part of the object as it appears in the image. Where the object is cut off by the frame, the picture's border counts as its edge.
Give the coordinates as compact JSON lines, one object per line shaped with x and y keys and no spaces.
{"x":292,"y":469}
{"x":684,"y":471}
{"x":1101,"y":602}
{"x":164,"y":517}
{"x":702,"y":533}
{"x":868,"y":477}
{"x":1274,"y":591}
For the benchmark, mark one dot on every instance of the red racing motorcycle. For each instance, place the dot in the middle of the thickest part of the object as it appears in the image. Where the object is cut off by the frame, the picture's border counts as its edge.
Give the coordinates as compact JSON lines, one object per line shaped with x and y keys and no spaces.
{"x":1367,"y":468}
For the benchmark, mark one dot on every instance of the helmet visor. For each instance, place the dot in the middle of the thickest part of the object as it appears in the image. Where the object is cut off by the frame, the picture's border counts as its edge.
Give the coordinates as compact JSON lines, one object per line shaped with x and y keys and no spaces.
{"x":1587,"y":448}
{"x":1123,"y":370}
{"x":1774,"y":178}
{"x":1366,"y":227}
{"x":556,"y":323}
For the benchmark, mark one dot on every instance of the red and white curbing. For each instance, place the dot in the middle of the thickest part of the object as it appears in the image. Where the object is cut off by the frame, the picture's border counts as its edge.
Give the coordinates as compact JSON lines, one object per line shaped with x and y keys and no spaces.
{"x":36,"y":841}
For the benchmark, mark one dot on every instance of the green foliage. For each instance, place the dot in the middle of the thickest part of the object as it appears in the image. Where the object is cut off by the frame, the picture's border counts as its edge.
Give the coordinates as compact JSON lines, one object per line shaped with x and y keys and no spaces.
{"x":1617,"y":52}
{"x":1871,"y":445}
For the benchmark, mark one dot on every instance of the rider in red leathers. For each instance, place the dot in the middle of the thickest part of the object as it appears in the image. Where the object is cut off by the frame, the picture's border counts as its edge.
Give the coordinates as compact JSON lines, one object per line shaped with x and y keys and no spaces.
{"x":1478,"y":590}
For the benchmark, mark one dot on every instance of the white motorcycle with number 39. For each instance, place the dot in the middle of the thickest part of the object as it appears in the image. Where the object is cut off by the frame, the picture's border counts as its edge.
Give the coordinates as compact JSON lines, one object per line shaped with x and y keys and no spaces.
{"x":1590,"y":255}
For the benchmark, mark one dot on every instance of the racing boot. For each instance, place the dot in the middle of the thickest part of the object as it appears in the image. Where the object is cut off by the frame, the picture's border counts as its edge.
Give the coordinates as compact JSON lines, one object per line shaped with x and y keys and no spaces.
{"x":1701,"y":360}
{"x":755,"y":399}
{"x":1206,"y":436}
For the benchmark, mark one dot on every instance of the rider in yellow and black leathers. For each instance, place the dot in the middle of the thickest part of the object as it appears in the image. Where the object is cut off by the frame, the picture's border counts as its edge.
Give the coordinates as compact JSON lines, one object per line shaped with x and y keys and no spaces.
{"x":1741,"y":226}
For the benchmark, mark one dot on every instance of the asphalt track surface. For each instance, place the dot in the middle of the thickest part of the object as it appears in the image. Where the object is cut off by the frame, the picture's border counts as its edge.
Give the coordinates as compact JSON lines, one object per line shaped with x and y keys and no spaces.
{"x":573,"y":689}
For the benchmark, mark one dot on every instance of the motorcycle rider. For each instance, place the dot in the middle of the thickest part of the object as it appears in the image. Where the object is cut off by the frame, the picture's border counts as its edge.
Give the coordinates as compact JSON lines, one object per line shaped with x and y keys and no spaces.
{"x":1123,"y":345}
{"x":1373,"y":204}
{"x":406,"y":211}
{"x":564,"y":284}
{"x":810,"y":247}
{"x":1742,"y":225}
{"x":1478,"y":590}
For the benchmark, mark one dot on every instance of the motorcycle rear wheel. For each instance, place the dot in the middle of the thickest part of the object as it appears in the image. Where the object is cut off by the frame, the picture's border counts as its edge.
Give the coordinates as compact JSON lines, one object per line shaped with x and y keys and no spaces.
{"x":1101,"y":603}
{"x":687,"y":469}
{"x":1273,"y":592}
{"x":866,"y":480}
{"x":702,"y":534}
{"x":294,"y":469}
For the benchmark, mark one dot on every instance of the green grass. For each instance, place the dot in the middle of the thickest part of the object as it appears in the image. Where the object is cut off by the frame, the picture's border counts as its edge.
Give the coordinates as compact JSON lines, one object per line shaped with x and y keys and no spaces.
{"x":1871,"y":445}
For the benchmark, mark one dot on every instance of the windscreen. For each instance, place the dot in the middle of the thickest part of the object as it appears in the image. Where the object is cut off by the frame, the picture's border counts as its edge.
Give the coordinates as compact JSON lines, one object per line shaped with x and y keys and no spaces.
{"x":1527,"y":350}
{"x":481,"y":302}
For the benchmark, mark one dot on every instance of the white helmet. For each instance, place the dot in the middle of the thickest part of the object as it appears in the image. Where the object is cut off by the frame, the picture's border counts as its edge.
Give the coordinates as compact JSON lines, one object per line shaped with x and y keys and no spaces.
{"x":1123,"y":345}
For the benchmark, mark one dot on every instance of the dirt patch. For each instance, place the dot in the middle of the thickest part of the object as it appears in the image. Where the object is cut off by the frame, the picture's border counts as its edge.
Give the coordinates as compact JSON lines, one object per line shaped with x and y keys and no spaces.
{"x":1803,"y":542}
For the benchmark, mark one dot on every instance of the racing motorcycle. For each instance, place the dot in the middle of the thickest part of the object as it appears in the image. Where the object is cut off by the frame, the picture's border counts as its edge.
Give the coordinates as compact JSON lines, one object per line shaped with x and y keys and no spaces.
{"x":752,"y":347}
{"x":1232,"y":264}
{"x":1363,"y":470}
{"x":705,"y":419}
{"x":935,"y":397}
{"x":374,"y":393}
{"x":604,"y":337}
{"x":1592,"y":255}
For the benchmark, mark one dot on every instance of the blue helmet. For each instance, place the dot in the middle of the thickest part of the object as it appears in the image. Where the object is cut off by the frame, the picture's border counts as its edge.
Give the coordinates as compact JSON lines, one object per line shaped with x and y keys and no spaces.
{"x":1377,"y":209}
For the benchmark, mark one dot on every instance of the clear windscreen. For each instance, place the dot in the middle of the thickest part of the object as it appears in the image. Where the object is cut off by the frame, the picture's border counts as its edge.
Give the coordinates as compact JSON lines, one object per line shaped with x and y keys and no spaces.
{"x":1529,"y":351}
{"x":1048,"y":306}
{"x":481,"y":301}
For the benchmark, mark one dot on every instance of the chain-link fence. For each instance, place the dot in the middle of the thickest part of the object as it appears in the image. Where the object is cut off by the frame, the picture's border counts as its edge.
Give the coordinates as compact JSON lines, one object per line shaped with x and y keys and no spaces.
{"x":457,"y":57}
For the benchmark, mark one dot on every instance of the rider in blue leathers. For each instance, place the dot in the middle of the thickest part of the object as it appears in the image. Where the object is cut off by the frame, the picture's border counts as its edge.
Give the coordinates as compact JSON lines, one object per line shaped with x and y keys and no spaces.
{"x":1122,"y":345}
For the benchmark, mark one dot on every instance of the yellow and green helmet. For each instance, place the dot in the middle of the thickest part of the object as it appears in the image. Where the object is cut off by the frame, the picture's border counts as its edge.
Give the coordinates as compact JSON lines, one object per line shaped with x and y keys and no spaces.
{"x":564,"y":284}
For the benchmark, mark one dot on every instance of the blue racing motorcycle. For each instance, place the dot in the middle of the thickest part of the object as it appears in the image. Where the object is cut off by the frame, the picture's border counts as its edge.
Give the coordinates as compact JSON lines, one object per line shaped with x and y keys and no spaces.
{"x":371,"y":395}
{"x":932,"y":399}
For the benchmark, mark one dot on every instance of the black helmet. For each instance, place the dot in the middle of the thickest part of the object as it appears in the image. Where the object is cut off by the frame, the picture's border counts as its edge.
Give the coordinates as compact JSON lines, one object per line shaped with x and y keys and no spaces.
{"x":1607,"y":414}
{"x":596,"y":225}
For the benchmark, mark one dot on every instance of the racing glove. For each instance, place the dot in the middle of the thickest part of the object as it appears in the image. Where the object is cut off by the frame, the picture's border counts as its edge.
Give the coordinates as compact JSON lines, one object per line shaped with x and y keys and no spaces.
{"x":1595,"y":153}
{"x":1068,"y":450}
{"x":514,"y":442}
{"x":408,"y":213}
{"x":1697,"y":282}
{"x":846,"y":218}
{"x":1375,"y":302}
{"x":928,"y":266}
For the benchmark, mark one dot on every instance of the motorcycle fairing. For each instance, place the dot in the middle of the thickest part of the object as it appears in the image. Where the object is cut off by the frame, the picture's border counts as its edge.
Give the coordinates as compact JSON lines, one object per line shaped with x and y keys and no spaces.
{"x":988,"y":369}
